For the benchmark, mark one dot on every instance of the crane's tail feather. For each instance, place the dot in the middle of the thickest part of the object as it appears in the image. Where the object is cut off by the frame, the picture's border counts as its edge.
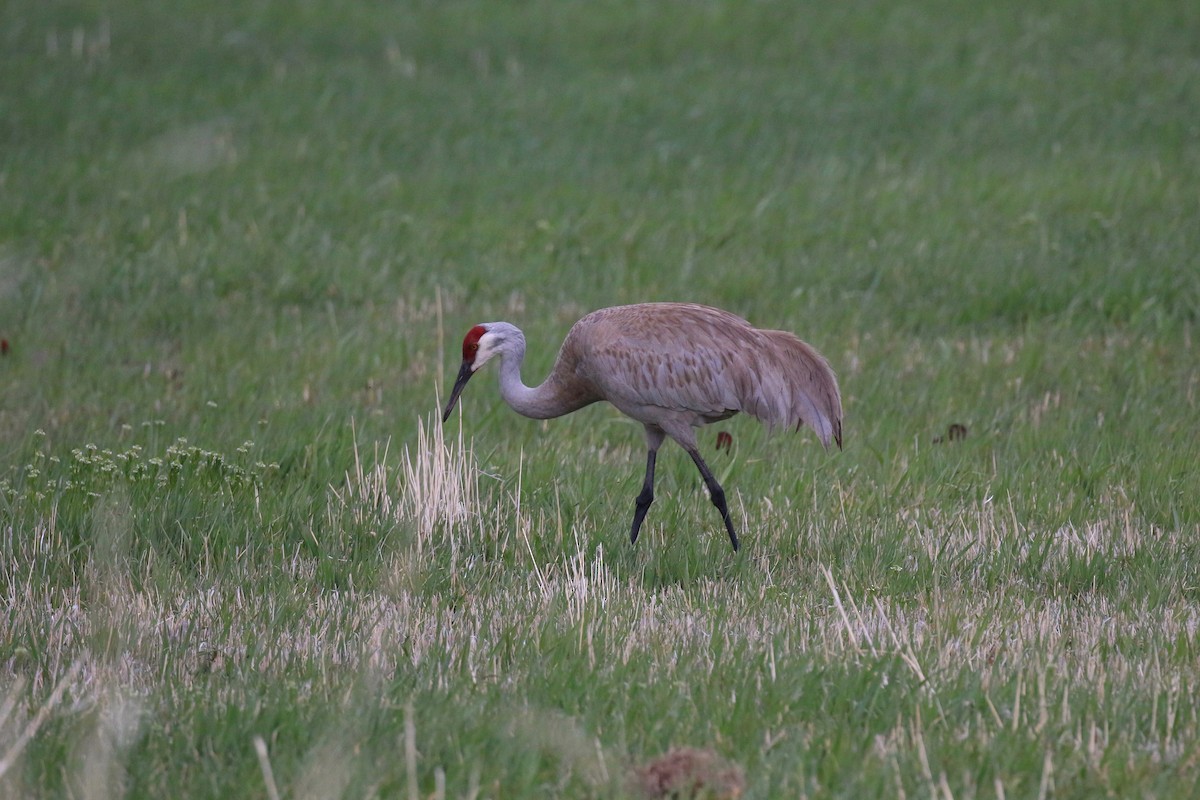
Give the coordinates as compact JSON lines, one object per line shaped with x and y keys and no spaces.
{"x":797,"y":387}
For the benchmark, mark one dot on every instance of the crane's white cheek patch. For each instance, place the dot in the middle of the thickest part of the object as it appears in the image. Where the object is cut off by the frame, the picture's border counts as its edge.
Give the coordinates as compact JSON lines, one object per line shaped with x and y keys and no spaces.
{"x":484,"y":353}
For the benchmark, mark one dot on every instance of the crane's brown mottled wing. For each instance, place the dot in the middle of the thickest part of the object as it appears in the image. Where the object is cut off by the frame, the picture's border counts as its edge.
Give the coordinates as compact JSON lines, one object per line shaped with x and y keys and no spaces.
{"x":708,"y":363}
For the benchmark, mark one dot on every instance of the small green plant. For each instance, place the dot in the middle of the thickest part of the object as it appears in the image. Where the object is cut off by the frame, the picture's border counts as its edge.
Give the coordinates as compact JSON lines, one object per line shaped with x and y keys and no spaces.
{"x":90,"y":472}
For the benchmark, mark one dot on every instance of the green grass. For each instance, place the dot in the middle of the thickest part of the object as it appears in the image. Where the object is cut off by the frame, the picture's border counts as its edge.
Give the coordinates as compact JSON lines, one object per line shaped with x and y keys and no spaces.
{"x":238,"y":247}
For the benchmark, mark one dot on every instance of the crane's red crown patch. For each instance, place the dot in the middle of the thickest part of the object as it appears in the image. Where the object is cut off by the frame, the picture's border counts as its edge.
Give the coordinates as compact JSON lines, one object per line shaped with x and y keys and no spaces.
{"x":471,"y":342}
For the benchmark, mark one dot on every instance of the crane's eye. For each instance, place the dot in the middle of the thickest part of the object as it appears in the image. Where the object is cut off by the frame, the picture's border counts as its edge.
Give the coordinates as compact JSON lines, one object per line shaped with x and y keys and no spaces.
{"x":473,"y":347}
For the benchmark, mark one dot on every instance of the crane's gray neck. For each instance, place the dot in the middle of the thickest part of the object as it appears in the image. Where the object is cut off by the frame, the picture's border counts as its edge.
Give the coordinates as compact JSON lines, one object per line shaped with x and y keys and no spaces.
{"x":538,"y":402}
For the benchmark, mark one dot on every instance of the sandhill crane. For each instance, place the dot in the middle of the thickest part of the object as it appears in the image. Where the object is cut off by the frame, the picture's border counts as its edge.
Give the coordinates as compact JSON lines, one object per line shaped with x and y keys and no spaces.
{"x":672,"y":367}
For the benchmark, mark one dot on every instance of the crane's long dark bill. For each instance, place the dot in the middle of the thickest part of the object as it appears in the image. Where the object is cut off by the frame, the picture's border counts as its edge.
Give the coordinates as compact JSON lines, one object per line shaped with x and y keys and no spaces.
{"x":464,"y":375}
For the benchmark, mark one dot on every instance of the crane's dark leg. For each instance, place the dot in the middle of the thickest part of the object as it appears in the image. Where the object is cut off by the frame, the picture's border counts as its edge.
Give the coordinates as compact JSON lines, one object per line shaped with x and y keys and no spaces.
{"x":654,"y":439}
{"x":715,"y":492}
{"x":644,"y":499}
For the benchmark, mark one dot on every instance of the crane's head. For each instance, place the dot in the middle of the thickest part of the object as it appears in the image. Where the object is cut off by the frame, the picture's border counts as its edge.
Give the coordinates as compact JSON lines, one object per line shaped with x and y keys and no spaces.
{"x":479,"y":345}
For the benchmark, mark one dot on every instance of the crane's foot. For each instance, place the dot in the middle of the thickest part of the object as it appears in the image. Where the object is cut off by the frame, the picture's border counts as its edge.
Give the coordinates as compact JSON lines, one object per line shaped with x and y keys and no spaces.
{"x":733,"y":540}
{"x":718,"y":498}
{"x":639,"y":514}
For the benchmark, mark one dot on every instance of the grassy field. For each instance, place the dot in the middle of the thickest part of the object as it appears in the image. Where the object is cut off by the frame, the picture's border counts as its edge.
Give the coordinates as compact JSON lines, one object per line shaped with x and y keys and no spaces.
{"x":240,"y":244}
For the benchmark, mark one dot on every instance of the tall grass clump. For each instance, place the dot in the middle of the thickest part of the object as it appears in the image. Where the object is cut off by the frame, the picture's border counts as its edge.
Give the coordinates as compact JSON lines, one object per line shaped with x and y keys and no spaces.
{"x":433,"y":495}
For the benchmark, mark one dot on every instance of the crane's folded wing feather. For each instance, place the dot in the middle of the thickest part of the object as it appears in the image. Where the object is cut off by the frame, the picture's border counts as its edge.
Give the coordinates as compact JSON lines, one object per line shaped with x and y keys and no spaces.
{"x":709,"y":363}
